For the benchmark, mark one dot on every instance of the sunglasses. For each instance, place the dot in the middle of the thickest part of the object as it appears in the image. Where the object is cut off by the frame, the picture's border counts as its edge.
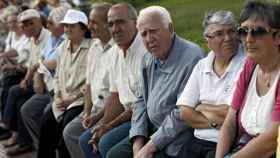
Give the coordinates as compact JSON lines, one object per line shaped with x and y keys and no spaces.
{"x":255,"y":32}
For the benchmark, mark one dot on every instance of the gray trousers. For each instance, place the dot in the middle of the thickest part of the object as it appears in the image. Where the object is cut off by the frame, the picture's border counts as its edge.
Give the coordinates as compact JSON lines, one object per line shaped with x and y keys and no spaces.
{"x":71,"y":135}
{"x":32,"y":111}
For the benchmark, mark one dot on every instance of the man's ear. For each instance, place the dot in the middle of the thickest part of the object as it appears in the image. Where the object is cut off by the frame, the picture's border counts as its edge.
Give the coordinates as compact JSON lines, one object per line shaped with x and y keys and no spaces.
{"x":170,"y":28}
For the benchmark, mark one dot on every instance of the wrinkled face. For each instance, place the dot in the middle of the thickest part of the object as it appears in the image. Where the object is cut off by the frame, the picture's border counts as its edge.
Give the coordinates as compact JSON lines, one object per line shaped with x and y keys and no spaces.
{"x":156,"y":35}
{"x":122,"y":27}
{"x":54,"y":27}
{"x":12,"y":23}
{"x":97,"y":25}
{"x":223,"y":40}
{"x":73,"y":31}
{"x":259,"y":40}
{"x":31,"y":27}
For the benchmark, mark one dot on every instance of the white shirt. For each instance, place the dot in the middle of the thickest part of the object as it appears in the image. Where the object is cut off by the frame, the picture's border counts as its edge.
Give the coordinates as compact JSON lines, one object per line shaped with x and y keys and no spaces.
{"x":204,"y":86}
{"x":97,"y":74}
{"x":125,"y":72}
{"x":256,"y":114}
{"x":20,"y":44}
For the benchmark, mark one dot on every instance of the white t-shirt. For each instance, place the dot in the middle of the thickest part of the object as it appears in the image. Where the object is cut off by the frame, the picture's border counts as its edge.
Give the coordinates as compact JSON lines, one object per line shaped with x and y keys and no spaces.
{"x":204,"y":86}
{"x":256,"y":114}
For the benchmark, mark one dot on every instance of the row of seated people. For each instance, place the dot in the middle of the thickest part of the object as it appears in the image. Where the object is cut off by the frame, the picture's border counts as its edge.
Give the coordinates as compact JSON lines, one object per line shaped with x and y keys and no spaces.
{"x":121,"y":85}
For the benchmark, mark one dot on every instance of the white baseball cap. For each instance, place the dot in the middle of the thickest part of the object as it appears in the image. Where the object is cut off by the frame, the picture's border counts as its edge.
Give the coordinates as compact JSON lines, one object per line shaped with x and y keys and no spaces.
{"x":74,"y":16}
{"x":28,"y":14}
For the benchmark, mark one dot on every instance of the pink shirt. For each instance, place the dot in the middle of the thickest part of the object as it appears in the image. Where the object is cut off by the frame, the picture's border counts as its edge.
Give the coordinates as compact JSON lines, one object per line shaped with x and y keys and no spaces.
{"x":241,"y":90}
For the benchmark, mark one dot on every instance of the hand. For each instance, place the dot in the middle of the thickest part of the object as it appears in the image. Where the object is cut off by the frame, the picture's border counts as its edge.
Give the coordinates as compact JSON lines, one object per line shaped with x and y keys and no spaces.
{"x":7,"y":67}
{"x":38,"y":84}
{"x":89,"y":120}
{"x":147,"y":151}
{"x":59,"y":103}
{"x":23,"y":84}
{"x":94,"y":143}
{"x":68,"y":99}
{"x":101,"y":130}
{"x":34,"y":67}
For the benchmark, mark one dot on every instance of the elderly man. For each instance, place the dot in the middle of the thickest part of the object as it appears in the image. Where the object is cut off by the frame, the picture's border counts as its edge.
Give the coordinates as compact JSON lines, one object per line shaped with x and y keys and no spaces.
{"x":156,"y":128}
{"x":18,"y":94}
{"x":32,"y":110}
{"x":97,"y":79}
{"x":124,"y":82}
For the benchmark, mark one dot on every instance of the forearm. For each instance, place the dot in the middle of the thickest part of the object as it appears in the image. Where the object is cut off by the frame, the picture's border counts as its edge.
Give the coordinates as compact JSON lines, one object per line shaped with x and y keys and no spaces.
{"x":226,"y":135}
{"x":123,"y":117}
{"x":256,"y":148}
{"x":219,"y":110}
{"x":50,"y":64}
{"x":88,"y":102}
{"x":9,"y":54}
{"x":194,"y":119}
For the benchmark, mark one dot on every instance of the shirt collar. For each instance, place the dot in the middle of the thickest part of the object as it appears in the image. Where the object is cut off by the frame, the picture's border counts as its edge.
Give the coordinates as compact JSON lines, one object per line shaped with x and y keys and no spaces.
{"x":134,"y":45}
{"x":83,"y":45}
{"x":41,"y":36}
{"x":211,"y":56}
{"x":174,"y":54}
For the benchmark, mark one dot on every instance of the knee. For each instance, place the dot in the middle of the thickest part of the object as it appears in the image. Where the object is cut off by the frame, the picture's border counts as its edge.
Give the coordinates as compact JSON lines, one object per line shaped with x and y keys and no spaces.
{"x":112,"y":153}
{"x":25,"y":111}
{"x":14,"y":90}
{"x":84,"y":138}
{"x":67,"y":131}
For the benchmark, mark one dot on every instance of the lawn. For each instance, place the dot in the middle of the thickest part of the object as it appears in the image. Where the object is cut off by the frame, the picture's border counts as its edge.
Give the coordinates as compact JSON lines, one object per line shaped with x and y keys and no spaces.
{"x":188,"y":14}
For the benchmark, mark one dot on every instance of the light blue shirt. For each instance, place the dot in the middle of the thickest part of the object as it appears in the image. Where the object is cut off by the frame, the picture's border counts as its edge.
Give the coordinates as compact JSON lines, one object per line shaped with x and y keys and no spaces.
{"x":162,"y":84}
{"x":49,"y":52}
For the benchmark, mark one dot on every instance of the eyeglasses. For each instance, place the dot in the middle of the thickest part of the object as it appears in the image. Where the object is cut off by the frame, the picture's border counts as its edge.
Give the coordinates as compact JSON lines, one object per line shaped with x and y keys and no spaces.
{"x":221,"y":34}
{"x":256,"y":32}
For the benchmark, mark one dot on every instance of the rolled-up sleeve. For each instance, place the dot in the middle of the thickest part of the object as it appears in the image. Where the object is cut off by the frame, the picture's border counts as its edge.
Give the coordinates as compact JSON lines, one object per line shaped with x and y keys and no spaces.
{"x":171,"y":127}
{"x":139,"y":121}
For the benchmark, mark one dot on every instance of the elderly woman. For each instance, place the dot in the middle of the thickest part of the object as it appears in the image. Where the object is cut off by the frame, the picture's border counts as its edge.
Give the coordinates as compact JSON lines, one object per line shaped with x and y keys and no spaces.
{"x":69,"y":79}
{"x":206,"y":98}
{"x":250,"y":128}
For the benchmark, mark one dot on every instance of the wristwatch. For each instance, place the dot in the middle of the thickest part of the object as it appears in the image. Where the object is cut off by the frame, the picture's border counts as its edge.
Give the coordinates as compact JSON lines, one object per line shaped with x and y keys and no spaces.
{"x":213,"y":125}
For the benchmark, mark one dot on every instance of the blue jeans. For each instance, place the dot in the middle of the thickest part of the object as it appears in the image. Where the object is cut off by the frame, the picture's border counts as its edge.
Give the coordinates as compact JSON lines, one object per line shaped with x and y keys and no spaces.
{"x":106,"y":142}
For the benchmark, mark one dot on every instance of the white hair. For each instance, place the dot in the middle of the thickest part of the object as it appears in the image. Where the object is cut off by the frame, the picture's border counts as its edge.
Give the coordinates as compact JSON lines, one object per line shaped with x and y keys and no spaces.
{"x":57,"y":14}
{"x":158,"y":10}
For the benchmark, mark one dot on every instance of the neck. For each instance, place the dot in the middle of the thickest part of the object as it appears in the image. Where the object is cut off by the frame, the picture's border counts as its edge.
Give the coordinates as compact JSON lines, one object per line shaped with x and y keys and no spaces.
{"x":270,"y":65}
{"x":105,"y":40}
{"x":18,"y":33}
{"x":36,"y":37}
{"x":221,"y":63}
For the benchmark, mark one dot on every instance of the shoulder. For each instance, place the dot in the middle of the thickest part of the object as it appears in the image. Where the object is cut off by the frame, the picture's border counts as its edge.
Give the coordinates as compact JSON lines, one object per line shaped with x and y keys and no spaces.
{"x":190,"y":53}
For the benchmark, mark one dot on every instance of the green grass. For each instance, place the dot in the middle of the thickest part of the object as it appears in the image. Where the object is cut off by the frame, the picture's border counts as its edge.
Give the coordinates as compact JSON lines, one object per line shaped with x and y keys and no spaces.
{"x":187,"y":15}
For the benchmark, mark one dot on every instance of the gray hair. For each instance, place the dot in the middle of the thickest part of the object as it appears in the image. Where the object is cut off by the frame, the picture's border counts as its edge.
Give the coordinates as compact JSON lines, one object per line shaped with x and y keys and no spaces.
{"x":57,"y":14}
{"x":103,"y":8}
{"x":161,"y":11}
{"x":132,"y":12}
{"x":221,"y":17}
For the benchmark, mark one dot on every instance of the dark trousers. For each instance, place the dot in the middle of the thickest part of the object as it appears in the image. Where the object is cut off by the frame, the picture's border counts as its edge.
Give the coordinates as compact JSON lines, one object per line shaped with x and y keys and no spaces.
{"x":12,"y":117}
{"x":124,"y":150}
{"x":8,"y":80}
{"x":51,"y":133}
{"x":200,"y":148}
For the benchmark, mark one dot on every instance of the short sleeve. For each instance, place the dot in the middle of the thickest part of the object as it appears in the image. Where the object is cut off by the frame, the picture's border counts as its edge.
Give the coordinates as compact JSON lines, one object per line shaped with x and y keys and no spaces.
{"x":190,"y":94}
